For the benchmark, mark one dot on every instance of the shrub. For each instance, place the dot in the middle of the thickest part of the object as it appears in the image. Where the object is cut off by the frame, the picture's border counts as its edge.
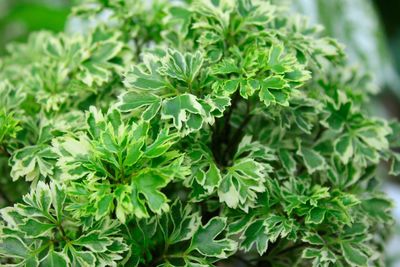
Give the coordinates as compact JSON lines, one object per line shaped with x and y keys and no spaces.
{"x":191,"y":134}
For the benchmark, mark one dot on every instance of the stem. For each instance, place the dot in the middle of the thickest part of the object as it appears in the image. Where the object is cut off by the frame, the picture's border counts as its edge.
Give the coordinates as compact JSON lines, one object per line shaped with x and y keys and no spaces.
{"x":189,"y":82}
{"x":237,"y":136}
{"x":4,"y":151}
{"x":227,"y":125}
{"x":64,"y":236}
{"x":221,"y":136}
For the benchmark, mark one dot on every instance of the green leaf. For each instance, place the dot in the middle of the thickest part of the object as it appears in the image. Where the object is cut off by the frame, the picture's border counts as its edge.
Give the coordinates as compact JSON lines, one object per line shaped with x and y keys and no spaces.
{"x":313,"y":239}
{"x":239,"y":187}
{"x":277,"y":61}
{"x":134,"y":152}
{"x":93,"y":241}
{"x":97,"y":69}
{"x":104,"y":206}
{"x":145,"y":77}
{"x":132,"y":101}
{"x":279,"y":226}
{"x":312,"y":159}
{"x":58,"y":197}
{"x":162,"y":143}
{"x":184,"y":67}
{"x":55,"y":258}
{"x":13,"y":246}
{"x":35,"y":228}
{"x":338,"y":117}
{"x":148,"y":185}
{"x":344,"y":148}
{"x":322,"y":256}
{"x":32,"y":162}
{"x":316,"y":215}
{"x":205,"y":242}
{"x":395,"y":165}
{"x":353,"y":255}
{"x":255,"y":235}
{"x":83,"y":258}
{"x":287,"y":161}
{"x":180,"y":223}
{"x":377,"y":207}
{"x":269,"y":96}
{"x":226,"y":66}
{"x":185,"y":111}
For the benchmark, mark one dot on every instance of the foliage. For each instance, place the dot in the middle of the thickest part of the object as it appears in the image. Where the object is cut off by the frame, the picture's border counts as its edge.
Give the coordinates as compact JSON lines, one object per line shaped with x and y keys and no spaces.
{"x":190,"y":134}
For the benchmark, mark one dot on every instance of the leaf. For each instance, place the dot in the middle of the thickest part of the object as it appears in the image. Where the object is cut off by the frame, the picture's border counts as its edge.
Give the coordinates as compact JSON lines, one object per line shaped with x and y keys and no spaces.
{"x":338,"y":117}
{"x":180,"y":223}
{"x":133,"y":152}
{"x":185,"y":111}
{"x":205,"y":242}
{"x":93,"y":241}
{"x":58,"y":198}
{"x":313,"y":239}
{"x":55,"y":258}
{"x":145,"y":77}
{"x":32,"y":162}
{"x":255,"y":235}
{"x":344,"y":148}
{"x":239,"y":187}
{"x":377,"y":207}
{"x":316,"y":215}
{"x":34,"y":228}
{"x":104,"y":206}
{"x":133,"y":100}
{"x":97,"y":69}
{"x":12,"y":96}
{"x":269,"y":96}
{"x":83,"y":258}
{"x":374,"y":137}
{"x":226,"y":66}
{"x":162,"y":143}
{"x":8,"y":126}
{"x":353,"y":255}
{"x":395,"y":165}
{"x":14,"y":247}
{"x":312,"y":159}
{"x":279,"y":226}
{"x":148,"y":185}
{"x":287,"y":161}
{"x":321,"y":256}
{"x":277,"y":61}
{"x":184,"y":67}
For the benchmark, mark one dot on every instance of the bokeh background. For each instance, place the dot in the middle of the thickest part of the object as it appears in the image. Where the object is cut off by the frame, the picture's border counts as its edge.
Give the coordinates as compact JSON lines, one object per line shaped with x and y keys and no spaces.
{"x":370,"y":30}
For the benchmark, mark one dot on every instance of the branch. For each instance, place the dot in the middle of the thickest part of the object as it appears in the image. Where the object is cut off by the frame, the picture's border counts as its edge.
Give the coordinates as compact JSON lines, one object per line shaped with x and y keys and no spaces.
{"x":239,"y":132}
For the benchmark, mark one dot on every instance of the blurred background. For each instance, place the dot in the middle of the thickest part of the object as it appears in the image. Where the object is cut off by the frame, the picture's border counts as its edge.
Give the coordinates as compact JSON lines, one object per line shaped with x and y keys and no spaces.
{"x":370,"y":30}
